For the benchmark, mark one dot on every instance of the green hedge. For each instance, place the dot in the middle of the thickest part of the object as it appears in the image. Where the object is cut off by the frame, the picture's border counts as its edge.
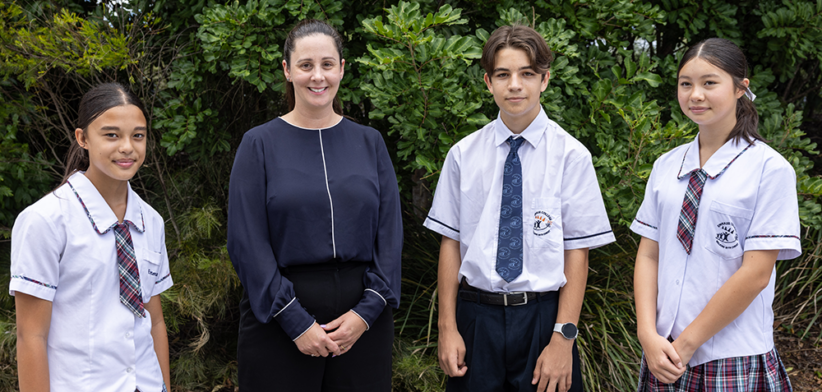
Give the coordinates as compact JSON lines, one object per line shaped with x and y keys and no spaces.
{"x":209,"y":71}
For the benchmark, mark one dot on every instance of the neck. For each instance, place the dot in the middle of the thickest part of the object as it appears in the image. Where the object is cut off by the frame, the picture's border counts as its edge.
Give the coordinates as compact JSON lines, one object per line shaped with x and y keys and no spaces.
{"x":303,"y":118}
{"x":517,"y":124}
{"x":114,"y":192}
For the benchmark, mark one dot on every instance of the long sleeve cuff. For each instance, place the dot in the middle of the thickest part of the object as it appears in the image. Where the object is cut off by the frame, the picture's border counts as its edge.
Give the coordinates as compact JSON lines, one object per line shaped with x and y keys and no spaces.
{"x":370,"y":307}
{"x":294,"y":319}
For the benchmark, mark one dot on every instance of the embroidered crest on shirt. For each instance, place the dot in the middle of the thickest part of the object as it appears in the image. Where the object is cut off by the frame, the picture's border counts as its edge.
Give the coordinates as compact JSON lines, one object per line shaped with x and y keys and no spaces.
{"x":726,"y":236}
{"x":542,"y":223}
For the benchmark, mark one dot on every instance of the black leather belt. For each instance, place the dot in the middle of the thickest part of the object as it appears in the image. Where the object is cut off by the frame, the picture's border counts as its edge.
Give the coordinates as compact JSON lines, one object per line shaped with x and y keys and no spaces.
{"x":470,"y":293}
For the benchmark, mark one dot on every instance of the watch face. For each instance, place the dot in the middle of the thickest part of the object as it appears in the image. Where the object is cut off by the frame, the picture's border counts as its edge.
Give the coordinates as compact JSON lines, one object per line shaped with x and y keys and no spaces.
{"x":569,"y":331}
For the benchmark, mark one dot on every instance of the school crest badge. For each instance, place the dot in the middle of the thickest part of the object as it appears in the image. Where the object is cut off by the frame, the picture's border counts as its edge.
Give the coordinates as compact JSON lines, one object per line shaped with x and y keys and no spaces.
{"x":726,"y":236}
{"x":542,"y":223}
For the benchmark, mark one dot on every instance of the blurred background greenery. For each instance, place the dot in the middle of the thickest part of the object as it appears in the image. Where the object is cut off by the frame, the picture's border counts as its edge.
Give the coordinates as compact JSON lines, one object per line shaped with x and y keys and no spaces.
{"x":210,"y":70}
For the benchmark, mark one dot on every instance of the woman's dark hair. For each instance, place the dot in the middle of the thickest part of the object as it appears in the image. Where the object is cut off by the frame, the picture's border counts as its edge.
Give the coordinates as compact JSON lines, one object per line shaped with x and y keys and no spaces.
{"x":305,"y":28}
{"x":726,"y":56}
{"x":93,"y":104}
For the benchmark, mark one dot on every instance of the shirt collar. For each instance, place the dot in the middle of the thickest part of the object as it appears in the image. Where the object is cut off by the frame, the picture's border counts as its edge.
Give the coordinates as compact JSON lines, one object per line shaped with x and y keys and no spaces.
{"x":717,"y":163}
{"x":100,"y":215}
{"x":532,"y":134}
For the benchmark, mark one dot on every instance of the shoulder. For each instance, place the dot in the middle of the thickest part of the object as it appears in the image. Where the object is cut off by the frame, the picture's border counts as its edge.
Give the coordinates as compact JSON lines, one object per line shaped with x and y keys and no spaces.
{"x":355,"y":129}
{"x":48,"y":211}
{"x":474,"y":141}
{"x":566,"y":144}
{"x":673,"y":157}
{"x":773,"y":163}
{"x":262,"y":130}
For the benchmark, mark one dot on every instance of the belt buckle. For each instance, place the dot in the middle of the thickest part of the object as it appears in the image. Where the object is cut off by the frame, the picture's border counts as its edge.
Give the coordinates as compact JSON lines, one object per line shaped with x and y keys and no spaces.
{"x":524,"y":296}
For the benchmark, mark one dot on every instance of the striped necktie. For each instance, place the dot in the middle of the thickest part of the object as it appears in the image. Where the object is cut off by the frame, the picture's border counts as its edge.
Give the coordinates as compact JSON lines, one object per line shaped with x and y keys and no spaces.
{"x":509,"y":248}
{"x":690,"y":209}
{"x":130,"y":291}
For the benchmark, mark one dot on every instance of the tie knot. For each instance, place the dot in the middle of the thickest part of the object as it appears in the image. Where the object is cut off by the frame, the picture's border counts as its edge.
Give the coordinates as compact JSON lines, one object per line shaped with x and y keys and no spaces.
{"x":515,"y":142}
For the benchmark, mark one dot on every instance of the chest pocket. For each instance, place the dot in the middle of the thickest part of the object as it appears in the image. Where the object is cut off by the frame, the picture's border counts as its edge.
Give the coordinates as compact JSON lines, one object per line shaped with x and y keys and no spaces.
{"x":149,"y":264}
{"x":543,"y":223}
{"x":726,"y":229}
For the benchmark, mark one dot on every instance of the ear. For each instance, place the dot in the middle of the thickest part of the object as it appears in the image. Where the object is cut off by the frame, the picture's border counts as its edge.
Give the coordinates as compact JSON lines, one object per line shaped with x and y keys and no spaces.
{"x":740,"y":92}
{"x":342,"y":68}
{"x":544,"y":83}
{"x":80,"y":137}
{"x":285,"y":71}
{"x":488,"y":82}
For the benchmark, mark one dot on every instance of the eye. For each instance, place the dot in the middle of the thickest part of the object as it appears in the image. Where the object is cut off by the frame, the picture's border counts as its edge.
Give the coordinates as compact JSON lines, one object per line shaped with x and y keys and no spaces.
{"x":501,"y":75}
{"x":110,"y":135}
{"x":529,"y":74}
{"x":710,"y":83}
{"x":305,"y":65}
{"x":328,"y":64}
{"x":140,"y":136}
{"x":685,"y":84}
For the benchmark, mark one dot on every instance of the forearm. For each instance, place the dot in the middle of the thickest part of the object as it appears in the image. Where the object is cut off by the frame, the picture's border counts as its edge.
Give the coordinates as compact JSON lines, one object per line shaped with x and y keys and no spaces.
{"x":160,"y":337}
{"x":731,"y":299}
{"x":572,"y":294}
{"x":646,"y":272}
{"x":448,"y":284}
{"x":32,"y":364}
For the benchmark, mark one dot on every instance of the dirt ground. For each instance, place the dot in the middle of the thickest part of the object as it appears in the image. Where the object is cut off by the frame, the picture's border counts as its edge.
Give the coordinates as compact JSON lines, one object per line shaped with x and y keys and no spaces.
{"x":802,"y":359}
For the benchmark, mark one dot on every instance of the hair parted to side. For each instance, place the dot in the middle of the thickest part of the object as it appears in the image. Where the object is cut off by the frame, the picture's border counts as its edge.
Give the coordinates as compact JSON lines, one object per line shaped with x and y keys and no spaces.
{"x":518,"y":37}
{"x":94,"y":103}
{"x":728,"y":57}
{"x":305,"y":28}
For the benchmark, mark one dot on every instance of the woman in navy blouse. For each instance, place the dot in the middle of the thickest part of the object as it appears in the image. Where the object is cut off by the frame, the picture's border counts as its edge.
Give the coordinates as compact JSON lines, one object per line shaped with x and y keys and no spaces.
{"x":315,"y":234}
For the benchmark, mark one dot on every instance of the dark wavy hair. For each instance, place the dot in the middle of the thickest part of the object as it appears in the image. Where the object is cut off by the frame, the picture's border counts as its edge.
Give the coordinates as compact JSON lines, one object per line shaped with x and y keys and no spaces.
{"x":518,"y":37}
{"x":305,"y":28}
{"x":93,"y":104}
{"x":726,"y":56}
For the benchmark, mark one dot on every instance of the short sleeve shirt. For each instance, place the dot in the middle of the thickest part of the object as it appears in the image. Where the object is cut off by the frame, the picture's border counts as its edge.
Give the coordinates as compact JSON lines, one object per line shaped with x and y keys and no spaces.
{"x":63,"y":251}
{"x":750,"y":204}
{"x":559,"y":189}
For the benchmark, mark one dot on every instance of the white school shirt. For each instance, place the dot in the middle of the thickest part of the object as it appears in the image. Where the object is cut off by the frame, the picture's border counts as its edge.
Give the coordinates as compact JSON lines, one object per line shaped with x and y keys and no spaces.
{"x":95,"y":343}
{"x":752,"y":205}
{"x":560,"y":192}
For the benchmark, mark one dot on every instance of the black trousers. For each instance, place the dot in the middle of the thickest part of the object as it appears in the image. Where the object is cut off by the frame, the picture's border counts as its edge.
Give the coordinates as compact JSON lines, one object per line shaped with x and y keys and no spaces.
{"x":269,"y":361}
{"x":503,"y":344}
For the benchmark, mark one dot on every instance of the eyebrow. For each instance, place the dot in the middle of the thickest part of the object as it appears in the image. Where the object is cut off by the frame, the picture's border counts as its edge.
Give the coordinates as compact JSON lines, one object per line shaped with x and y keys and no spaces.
{"x":701,"y":77}
{"x":324,"y":58}
{"x":507,"y":70}
{"x":115,"y":128}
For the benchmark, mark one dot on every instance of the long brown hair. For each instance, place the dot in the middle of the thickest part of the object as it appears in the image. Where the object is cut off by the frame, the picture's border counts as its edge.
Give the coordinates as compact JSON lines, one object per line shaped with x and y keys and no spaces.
{"x":305,"y":28}
{"x":726,"y":56}
{"x":93,"y":104}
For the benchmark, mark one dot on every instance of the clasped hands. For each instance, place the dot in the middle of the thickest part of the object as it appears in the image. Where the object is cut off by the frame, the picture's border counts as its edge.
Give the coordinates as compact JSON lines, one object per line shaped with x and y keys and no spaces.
{"x":666,"y":360}
{"x":334,"y":338}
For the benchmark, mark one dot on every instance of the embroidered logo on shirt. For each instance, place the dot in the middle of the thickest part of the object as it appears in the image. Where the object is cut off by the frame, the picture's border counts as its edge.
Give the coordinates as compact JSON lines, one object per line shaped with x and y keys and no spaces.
{"x":150,"y":272}
{"x":542,"y":223}
{"x":726,"y":236}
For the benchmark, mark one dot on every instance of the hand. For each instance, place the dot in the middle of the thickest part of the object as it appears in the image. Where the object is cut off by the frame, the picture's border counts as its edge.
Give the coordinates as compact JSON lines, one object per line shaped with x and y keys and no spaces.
{"x":346,"y":330}
{"x":685,"y":353}
{"x":316,"y":342}
{"x":663,"y":359}
{"x":554,"y":366}
{"x":451,"y":350}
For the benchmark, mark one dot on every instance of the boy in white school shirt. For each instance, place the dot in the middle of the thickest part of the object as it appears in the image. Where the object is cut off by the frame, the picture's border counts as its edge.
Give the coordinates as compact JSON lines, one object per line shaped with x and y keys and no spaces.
{"x":518,"y":206}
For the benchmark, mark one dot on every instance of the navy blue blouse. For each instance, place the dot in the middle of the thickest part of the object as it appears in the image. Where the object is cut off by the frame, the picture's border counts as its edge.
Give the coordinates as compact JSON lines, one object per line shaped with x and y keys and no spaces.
{"x":305,"y":196}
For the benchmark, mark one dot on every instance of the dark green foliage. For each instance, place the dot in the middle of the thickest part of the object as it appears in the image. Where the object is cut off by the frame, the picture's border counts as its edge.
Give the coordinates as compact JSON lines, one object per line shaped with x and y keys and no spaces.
{"x":210,"y":70}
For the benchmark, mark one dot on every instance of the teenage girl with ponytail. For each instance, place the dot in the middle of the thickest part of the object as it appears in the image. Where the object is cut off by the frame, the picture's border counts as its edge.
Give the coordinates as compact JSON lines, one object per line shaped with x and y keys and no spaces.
{"x":718,"y":212}
{"x":88,"y":262}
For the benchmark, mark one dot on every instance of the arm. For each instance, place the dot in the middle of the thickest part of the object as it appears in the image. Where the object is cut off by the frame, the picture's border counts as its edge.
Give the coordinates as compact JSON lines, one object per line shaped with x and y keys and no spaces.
{"x":451,"y":347}
{"x":555,"y":364}
{"x":729,"y":302}
{"x":660,"y":355}
{"x":271,"y":295}
{"x":160,"y":336}
{"x":382,"y":277}
{"x":33,"y":322}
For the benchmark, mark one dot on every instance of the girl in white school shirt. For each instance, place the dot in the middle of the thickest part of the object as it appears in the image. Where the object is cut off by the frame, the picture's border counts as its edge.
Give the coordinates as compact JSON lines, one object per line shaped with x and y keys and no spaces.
{"x":718,"y":212}
{"x":88,"y":263}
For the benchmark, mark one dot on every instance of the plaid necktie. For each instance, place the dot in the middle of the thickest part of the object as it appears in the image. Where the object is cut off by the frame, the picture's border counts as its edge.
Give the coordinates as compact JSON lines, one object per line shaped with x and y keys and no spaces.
{"x":509,"y":249}
{"x":130,"y":291}
{"x":690,"y":209}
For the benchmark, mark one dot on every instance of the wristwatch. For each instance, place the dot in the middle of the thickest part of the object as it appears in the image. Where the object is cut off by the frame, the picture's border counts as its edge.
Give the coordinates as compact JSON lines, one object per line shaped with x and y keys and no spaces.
{"x":568,"y":330}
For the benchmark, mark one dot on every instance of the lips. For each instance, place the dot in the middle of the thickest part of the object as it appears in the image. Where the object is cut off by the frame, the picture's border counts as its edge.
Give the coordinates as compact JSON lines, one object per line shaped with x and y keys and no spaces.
{"x":125,"y":163}
{"x":698,"y":109}
{"x":515,"y":99}
{"x":317,"y":90}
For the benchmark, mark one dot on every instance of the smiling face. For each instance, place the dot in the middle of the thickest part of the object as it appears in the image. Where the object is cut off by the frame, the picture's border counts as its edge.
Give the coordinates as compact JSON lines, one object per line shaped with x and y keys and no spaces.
{"x":116,"y":144}
{"x":516,"y":87}
{"x":707,"y":95}
{"x":315,"y":69}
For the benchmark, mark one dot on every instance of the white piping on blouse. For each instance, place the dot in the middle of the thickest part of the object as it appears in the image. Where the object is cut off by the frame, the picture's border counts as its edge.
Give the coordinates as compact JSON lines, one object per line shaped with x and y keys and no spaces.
{"x":328,"y":189}
{"x":286,"y":305}
{"x":378,"y":294}
{"x":367,"y":327}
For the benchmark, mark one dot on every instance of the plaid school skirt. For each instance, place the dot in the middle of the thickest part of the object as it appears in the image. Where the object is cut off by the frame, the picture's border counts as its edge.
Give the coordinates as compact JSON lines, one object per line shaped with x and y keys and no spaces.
{"x":756,"y":373}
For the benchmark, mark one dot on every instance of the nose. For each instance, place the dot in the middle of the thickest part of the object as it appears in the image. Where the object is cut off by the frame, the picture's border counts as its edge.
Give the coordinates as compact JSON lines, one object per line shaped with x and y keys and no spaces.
{"x":515,"y":82}
{"x":126,"y":146}
{"x":317,"y":74}
{"x":697,"y":94}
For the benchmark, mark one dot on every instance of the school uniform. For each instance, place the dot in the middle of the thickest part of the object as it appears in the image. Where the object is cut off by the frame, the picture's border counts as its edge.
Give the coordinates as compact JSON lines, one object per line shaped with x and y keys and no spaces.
{"x":562,"y":209}
{"x":748,"y":202}
{"x":314,"y":230}
{"x":64,"y":251}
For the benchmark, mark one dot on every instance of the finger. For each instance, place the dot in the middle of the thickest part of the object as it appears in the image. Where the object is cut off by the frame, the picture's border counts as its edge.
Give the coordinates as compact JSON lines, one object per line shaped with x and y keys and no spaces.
{"x":537,"y":373}
{"x":552,"y":385}
{"x":543,"y":382}
{"x":331,"y":346}
{"x":670,"y":351}
{"x":462,"y":369}
{"x":334,"y":324}
{"x":565,"y":385}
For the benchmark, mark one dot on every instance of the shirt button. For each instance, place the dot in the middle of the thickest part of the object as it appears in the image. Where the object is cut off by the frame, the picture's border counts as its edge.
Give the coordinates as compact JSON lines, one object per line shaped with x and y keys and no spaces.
{"x":128,"y":335}
{"x":677,"y":282}
{"x":129,"y":370}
